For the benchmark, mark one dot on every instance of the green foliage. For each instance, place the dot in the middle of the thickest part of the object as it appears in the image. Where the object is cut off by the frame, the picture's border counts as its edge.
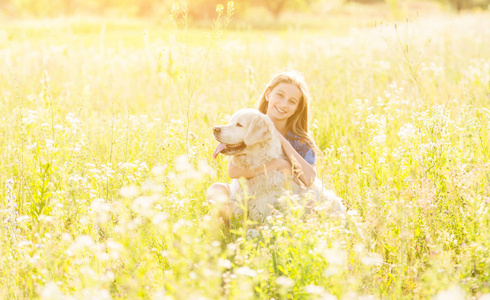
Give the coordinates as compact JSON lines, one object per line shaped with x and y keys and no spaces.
{"x":41,"y":192}
{"x":106,"y":147}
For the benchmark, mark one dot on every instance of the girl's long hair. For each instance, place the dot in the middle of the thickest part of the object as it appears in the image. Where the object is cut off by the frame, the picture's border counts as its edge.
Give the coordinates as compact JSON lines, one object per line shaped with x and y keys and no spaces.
{"x":299,"y":121}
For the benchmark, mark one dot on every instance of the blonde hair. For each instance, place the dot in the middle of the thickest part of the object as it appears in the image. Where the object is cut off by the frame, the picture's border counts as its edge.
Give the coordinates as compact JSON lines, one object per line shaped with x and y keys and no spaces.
{"x":298,"y":123}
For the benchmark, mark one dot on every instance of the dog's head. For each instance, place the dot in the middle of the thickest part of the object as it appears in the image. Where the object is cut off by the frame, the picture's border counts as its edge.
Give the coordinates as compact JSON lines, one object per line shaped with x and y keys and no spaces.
{"x":247,"y":127}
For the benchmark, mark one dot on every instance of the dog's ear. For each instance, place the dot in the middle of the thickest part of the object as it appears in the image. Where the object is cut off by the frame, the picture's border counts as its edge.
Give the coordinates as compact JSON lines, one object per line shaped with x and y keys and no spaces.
{"x":258,"y":131}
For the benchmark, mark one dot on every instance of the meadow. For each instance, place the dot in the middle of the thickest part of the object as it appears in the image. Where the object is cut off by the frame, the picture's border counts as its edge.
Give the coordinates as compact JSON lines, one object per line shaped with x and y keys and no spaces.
{"x":105,"y":138}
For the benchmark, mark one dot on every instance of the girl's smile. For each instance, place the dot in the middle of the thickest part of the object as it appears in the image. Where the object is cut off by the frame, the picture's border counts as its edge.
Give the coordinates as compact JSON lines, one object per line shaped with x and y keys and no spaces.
{"x":283,"y":101}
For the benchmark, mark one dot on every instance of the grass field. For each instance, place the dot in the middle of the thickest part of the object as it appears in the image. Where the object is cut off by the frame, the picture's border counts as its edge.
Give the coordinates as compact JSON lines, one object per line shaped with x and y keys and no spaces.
{"x":105,"y":138}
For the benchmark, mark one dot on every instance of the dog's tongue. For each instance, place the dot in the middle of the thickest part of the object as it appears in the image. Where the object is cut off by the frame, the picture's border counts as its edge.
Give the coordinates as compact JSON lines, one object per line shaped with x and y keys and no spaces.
{"x":218,"y":149}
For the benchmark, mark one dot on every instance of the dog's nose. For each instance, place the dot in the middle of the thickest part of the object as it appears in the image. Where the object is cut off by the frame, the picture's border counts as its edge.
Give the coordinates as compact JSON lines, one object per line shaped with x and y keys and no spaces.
{"x":216,"y":130}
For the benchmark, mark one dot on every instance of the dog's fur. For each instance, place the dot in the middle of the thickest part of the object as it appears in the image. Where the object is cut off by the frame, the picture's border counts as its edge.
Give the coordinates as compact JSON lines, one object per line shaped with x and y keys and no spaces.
{"x":250,"y":139}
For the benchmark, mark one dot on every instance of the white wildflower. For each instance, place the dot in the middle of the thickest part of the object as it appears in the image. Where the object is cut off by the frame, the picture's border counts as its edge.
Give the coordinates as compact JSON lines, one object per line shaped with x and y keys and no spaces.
{"x":34,"y":259}
{"x":94,"y":171}
{"x":23,"y":244}
{"x":114,"y":249}
{"x":252,"y":234}
{"x":32,"y":146}
{"x":182,"y":164}
{"x":314,"y":289}
{"x":107,"y":277}
{"x":94,"y":293}
{"x":158,"y":170}
{"x":454,"y":293}
{"x":23,"y":219}
{"x":159,"y":218}
{"x":30,"y":118}
{"x":78,"y":147}
{"x":224,"y":263}
{"x":143,"y":205}
{"x":335,"y":256}
{"x":352,"y":212}
{"x":379,"y":139}
{"x":232,"y":247}
{"x":284,"y":281}
{"x":205,"y":169}
{"x":161,"y":295}
{"x":66,"y":237}
{"x":81,"y":243}
{"x":46,"y":219}
{"x":129,"y":191}
{"x":50,"y":291}
{"x":49,"y":144}
{"x":101,"y":209}
{"x":407,"y":132}
{"x":246,"y":271}
{"x":150,"y":186}
{"x":372,"y":259}
{"x":330,"y":271}
{"x":72,"y":120}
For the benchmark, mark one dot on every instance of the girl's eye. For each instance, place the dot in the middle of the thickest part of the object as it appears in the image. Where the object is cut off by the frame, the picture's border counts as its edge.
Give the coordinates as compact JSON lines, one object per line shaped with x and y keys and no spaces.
{"x":238,"y":125}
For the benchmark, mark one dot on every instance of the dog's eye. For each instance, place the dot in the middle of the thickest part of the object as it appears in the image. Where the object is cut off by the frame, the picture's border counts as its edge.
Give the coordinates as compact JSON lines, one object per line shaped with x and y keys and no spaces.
{"x":238,"y":125}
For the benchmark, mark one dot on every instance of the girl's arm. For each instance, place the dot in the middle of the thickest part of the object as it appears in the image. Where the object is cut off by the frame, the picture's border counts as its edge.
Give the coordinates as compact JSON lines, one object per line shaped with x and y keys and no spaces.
{"x":301,"y":168}
{"x":279,"y":164}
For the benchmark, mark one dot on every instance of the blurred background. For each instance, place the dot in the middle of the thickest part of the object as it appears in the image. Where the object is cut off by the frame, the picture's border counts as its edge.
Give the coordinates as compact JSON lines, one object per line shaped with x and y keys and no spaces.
{"x":106,"y":116}
{"x":254,"y":13}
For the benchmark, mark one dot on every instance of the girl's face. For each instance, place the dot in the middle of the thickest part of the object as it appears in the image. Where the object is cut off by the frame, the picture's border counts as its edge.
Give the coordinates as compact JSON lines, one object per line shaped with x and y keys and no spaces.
{"x":283,"y":100}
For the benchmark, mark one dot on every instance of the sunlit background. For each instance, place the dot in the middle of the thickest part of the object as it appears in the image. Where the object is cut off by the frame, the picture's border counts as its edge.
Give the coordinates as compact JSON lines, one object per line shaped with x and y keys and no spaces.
{"x":106,"y":116}
{"x":254,"y":12}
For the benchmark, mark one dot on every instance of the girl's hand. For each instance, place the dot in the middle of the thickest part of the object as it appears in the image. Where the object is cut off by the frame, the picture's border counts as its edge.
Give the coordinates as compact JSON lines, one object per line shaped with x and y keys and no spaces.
{"x":282,"y":165}
{"x":302,"y":172}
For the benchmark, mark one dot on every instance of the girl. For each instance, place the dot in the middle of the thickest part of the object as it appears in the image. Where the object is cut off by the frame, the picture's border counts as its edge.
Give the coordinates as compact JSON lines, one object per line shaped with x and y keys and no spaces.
{"x":285,"y":100}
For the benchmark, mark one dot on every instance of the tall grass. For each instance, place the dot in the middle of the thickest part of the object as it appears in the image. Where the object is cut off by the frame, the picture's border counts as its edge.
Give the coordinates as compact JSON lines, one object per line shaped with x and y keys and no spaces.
{"x":104,"y":169}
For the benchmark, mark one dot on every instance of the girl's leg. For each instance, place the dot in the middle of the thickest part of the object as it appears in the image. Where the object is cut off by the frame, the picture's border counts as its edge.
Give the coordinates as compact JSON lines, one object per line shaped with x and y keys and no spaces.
{"x":219,"y":194}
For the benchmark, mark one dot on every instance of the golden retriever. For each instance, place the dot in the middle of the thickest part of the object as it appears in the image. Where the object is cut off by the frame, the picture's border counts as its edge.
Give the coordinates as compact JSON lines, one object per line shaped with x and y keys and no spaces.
{"x":250,"y":139}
